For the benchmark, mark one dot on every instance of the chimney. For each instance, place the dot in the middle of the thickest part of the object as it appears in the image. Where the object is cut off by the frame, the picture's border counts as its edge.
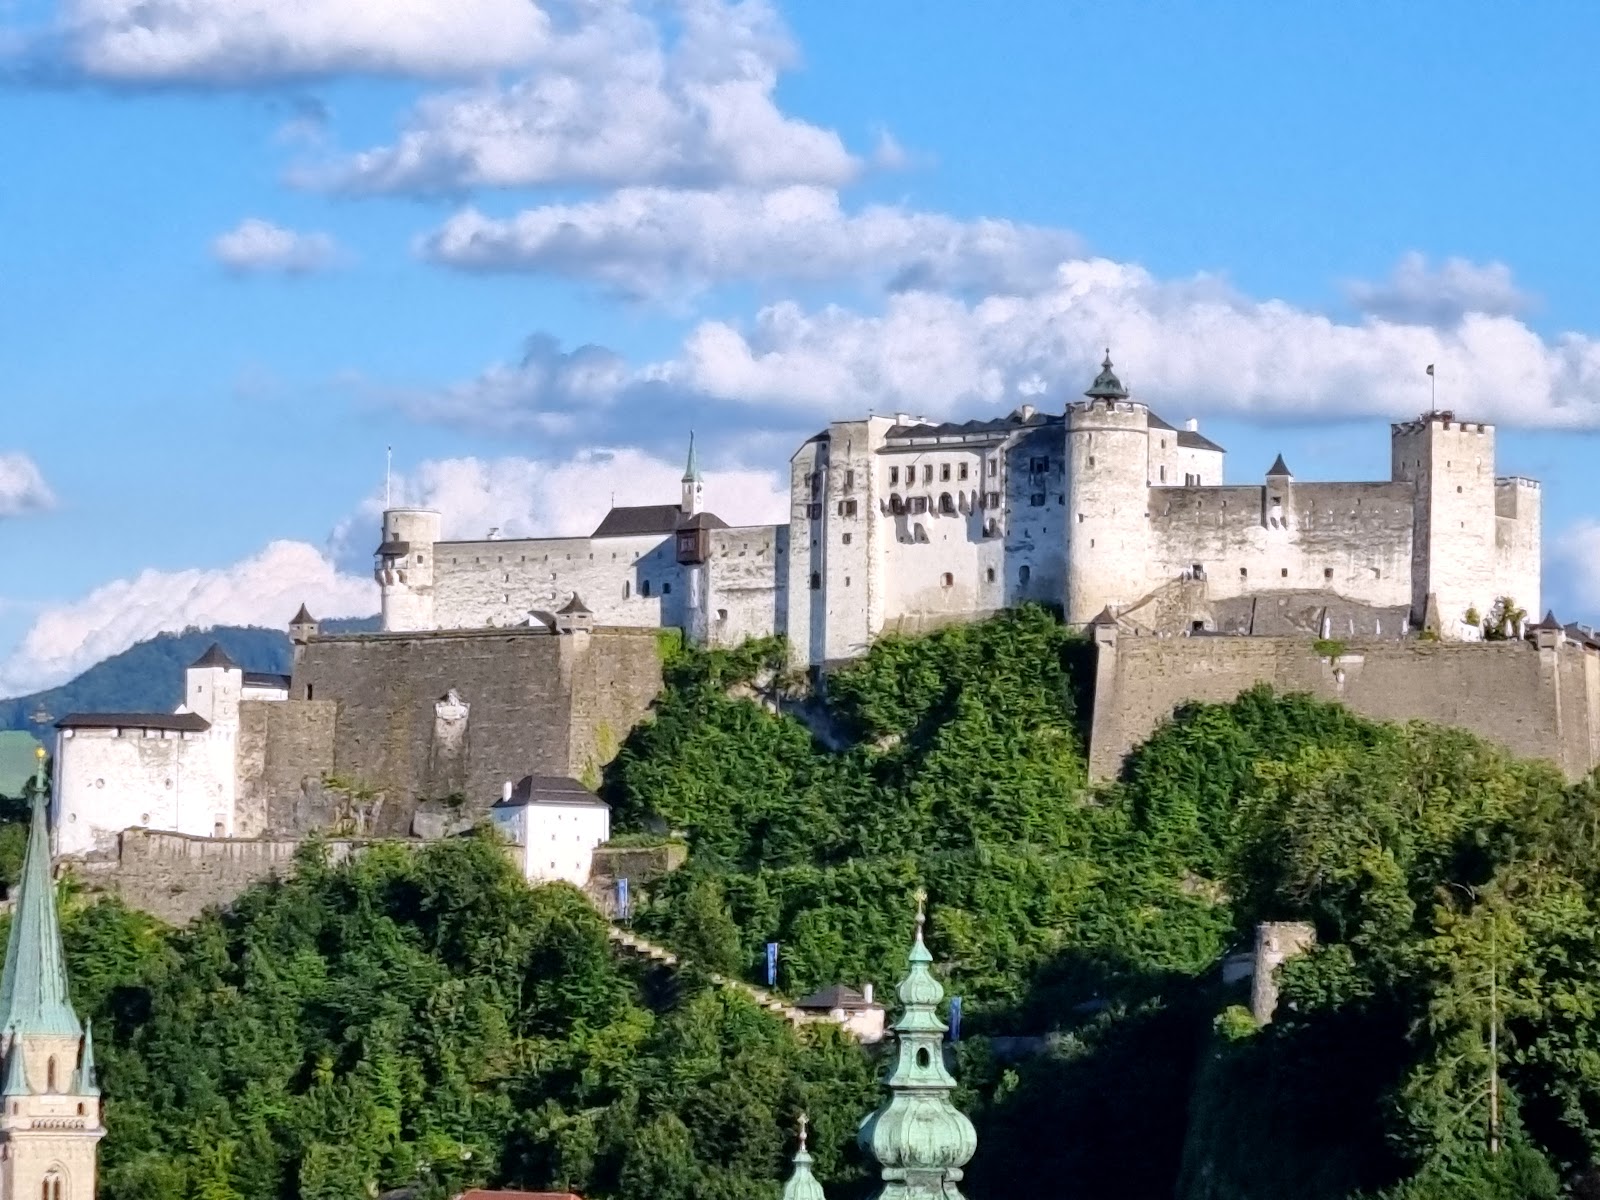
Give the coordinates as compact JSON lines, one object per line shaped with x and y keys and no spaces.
{"x":1027,"y":411}
{"x":866,"y":992}
{"x":505,"y":792}
{"x":1192,"y":425}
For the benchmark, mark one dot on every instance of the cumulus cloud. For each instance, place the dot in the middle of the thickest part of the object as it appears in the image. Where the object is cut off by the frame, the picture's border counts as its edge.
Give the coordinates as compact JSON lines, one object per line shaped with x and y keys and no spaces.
{"x":264,"y":589}
{"x":223,"y":42}
{"x":23,"y":488}
{"x":255,"y":246}
{"x":613,"y":103}
{"x":1194,"y":344}
{"x":651,"y":241}
{"x":1418,"y":294}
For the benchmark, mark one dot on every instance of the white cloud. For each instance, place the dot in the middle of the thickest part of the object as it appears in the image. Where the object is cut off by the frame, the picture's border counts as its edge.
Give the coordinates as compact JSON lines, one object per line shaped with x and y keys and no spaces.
{"x":23,"y":488}
{"x":250,"y":41}
{"x":612,"y":103}
{"x":1416,"y":294}
{"x":1189,"y":345}
{"x":1575,"y":556}
{"x":256,"y":246}
{"x":654,"y":241}
{"x":264,"y":589}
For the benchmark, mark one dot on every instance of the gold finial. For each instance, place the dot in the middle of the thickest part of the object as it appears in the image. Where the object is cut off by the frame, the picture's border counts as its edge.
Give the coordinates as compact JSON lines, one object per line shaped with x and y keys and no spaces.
{"x":38,"y":752}
{"x":922,"y":907}
{"x":804,"y":1121}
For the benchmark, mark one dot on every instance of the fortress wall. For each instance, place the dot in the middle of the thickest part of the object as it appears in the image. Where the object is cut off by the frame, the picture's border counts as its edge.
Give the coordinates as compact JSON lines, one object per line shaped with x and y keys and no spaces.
{"x":1517,"y":543}
{"x":611,"y":685}
{"x":285,"y":749}
{"x":175,"y":877}
{"x":497,"y":583}
{"x":1361,"y":532}
{"x":1035,"y":534}
{"x":747,"y":583}
{"x":1537,"y":704}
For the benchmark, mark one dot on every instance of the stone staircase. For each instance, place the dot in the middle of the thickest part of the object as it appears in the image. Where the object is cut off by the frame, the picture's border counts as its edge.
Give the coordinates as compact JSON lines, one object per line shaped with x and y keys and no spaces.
{"x":649,"y":951}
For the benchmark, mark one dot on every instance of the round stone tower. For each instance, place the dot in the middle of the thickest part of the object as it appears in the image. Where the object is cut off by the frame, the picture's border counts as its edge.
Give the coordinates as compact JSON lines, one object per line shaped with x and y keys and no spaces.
{"x":403,"y":567}
{"x":1108,"y":486}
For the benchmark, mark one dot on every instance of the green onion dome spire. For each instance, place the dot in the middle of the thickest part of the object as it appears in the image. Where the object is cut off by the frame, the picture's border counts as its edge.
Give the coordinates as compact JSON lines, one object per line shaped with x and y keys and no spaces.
{"x":803,"y":1184}
{"x":919,"y":1137}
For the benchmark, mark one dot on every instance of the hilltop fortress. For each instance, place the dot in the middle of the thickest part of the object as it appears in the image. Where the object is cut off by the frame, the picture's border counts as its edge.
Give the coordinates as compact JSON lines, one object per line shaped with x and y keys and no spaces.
{"x":899,"y":524}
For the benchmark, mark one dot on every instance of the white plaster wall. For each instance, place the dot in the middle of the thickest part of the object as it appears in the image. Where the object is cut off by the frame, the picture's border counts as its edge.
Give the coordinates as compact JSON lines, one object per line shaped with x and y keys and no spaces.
{"x":258,"y":692}
{"x":852,"y":570}
{"x":807,"y":546}
{"x":498,"y":583}
{"x":1452,"y":464}
{"x":938,"y":566}
{"x":1107,"y":500}
{"x":556,"y":841}
{"x":1036,"y":532}
{"x":108,"y":781}
{"x":1518,"y":543}
{"x":1350,"y":539}
{"x":746,"y":592}
{"x":214,"y":693}
{"x":406,"y":586}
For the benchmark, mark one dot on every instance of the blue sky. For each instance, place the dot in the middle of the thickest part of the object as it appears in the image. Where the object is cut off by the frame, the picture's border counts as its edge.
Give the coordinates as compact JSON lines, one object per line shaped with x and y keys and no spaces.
{"x":248,"y":245}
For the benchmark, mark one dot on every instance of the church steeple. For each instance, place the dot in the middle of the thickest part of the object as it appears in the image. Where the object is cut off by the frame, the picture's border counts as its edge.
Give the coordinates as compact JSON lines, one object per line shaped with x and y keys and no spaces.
{"x":921,"y":1139}
{"x":694,"y":486}
{"x":803,"y":1185}
{"x":33,"y":987}
{"x":50,"y":1125}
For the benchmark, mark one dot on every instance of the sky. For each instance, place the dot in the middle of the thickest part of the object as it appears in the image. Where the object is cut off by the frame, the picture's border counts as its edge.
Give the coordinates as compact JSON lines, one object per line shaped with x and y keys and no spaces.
{"x":247,"y":245}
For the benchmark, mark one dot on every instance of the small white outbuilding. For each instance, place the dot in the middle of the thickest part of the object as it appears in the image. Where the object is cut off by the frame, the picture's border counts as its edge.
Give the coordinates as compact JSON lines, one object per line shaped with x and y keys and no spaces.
{"x":554,"y":823}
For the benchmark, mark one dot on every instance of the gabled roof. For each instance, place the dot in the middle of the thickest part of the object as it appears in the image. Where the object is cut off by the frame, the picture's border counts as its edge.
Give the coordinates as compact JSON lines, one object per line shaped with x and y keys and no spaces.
{"x":33,"y":987}
{"x":836,"y":995}
{"x":551,"y":789}
{"x":704,"y":520}
{"x":186,"y":722}
{"x":1196,"y":441}
{"x":636,"y":519}
{"x":215,"y":657}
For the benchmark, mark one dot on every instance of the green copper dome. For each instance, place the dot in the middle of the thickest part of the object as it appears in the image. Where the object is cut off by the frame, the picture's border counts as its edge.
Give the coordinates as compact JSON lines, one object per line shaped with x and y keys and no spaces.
{"x":33,"y":988}
{"x":802,"y":1184}
{"x":918,"y":1136}
{"x":1106,"y":385}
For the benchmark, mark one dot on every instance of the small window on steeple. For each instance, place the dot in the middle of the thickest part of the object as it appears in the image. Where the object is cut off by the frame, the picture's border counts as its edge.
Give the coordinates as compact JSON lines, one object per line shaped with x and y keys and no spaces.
{"x":50,"y":1075}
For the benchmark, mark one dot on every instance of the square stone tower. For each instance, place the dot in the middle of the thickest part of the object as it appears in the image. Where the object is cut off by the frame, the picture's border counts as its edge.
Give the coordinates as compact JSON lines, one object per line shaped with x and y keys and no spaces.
{"x":50,"y":1128}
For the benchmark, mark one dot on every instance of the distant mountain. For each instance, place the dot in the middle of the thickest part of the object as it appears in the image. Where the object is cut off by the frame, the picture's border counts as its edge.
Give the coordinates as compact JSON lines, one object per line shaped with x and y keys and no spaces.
{"x":148,"y":677}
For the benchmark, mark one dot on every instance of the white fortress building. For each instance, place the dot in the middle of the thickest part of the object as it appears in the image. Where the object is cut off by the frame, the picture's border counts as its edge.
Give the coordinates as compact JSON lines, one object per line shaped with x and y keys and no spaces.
{"x":899,"y":524}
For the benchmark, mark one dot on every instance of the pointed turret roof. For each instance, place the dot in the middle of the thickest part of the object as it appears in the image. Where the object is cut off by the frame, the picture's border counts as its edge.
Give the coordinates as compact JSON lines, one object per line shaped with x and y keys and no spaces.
{"x":691,"y":469}
{"x":1106,"y":385}
{"x":215,"y":657}
{"x":575,"y":606}
{"x":16,"y":1083}
{"x":303,"y":617}
{"x":802,"y":1184}
{"x":1104,"y":617}
{"x":1279,"y":467}
{"x":33,"y":988}
{"x":919,"y":1136}
{"x":1550,"y":622}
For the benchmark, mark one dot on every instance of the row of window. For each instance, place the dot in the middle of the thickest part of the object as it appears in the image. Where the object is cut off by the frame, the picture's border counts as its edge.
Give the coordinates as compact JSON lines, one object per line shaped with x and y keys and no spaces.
{"x":1024,"y":573}
{"x":644,"y":589}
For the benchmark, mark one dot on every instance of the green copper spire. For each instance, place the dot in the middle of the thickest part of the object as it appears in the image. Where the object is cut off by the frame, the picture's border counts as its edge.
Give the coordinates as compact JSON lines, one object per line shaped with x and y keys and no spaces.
{"x":921,"y":1139}
{"x":33,"y":989}
{"x":802,"y":1184}
{"x":1106,"y":385}
{"x":691,"y":469}
{"x":16,"y":1075}
{"x":86,"y":1084}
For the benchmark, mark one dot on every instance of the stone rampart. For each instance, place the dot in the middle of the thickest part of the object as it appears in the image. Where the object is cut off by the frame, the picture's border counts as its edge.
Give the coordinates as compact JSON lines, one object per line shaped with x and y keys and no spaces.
{"x":1537,"y":702}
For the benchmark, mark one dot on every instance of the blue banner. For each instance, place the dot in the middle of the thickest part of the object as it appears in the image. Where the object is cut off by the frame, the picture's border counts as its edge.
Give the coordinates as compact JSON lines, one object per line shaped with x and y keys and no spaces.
{"x":772,"y":964}
{"x":955,"y":1018}
{"x":622,"y":898}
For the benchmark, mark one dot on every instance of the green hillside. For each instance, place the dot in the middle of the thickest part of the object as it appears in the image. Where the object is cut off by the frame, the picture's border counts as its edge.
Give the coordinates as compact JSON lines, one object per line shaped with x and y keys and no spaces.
{"x":148,"y":677}
{"x":425,"y":1018}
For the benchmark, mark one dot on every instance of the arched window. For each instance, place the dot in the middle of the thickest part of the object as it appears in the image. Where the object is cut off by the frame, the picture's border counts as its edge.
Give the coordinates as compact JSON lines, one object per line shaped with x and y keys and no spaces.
{"x":644,"y":588}
{"x":989,"y":575}
{"x":52,"y":1188}
{"x":666,"y":589}
{"x":50,"y":1074}
{"x":816,"y":581}
{"x":946,"y":504}
{"x":1023,"y":575}
{"x":627,"y":589}
{"x":896,"y":505}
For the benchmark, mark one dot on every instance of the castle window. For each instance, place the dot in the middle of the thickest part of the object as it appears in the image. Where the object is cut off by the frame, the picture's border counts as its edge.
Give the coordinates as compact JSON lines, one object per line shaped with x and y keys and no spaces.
{"x":845,"y":539}
{"x":993,"y":499}
{"x":947,"y":580}
{"x":850,"y":508}
{"x":1038,"y":466}
{"x":722,"y":614}
{"x":50,"y":1074}
{"x":1036,"y":500}
{"x":627,"y":589}
{"x":1283,"y":573}
{"x":847,"y":581}
{"x":1163,"y":473}
{"x":1023,"y":575}
{"x":962,"y":473}
{"x":666,"y":589}
{"x":849,"y":481}
{"x":994,"y":467}
{"x":1080,"y":518}
{"x":946,"y":504}
{"x":988,"y":576}
{"x":894,"y":475}
{"x":1327,"y":573}
{"x":814,"y":511}
{"x":944,"y":473}
{"x":814,"y":483}
{"x":1091,"y":460}
{"x":1458,"y":487}
{"x":927,"y":472}
{"x":644,"y":587}
{"x":308,"y":691}
{"x":919,"y":504}
{"x":816,"y":581}
{"x":1244,"y":572}
{"x":896,"y":504}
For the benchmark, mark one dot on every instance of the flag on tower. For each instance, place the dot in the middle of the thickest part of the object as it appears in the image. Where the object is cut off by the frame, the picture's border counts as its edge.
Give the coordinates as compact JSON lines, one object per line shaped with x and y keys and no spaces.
{"x":1430,"y":368}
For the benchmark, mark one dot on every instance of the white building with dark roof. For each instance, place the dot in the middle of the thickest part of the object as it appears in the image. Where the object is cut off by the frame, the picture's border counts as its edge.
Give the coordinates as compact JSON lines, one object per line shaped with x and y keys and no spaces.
{"x":899,"y":524}
{"x":553,"y":825}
